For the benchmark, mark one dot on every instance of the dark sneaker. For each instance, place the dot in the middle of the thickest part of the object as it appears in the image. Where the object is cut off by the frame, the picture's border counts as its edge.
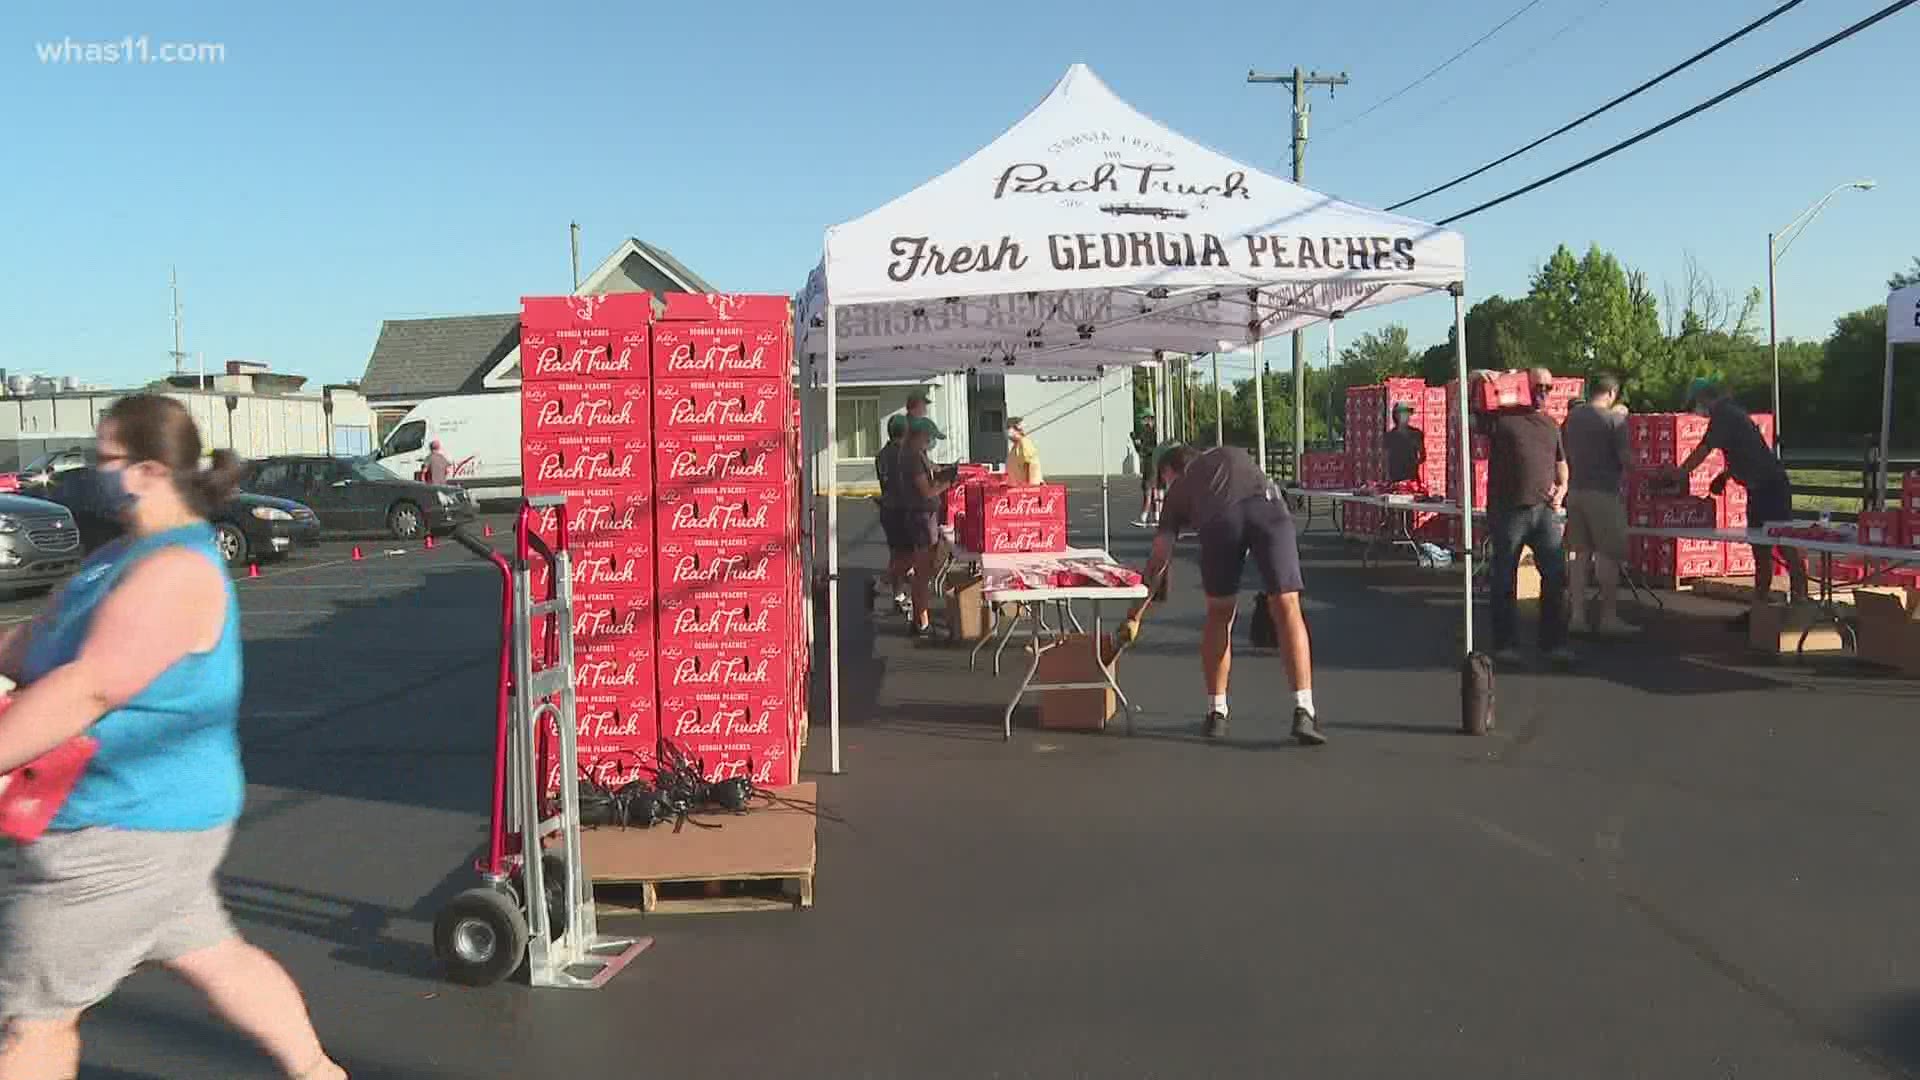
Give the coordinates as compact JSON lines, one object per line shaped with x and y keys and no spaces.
{"x":1306,"y":730}
{"x":1216,"y":725}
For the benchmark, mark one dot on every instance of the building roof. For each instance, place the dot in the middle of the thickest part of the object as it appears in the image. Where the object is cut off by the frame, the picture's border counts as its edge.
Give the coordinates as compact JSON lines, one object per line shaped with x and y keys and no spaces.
{"x":671,"y":268}
{"x":426,"y":357}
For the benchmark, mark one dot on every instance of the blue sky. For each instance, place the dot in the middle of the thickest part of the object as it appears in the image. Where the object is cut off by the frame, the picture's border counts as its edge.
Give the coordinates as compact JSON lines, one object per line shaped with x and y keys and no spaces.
{"x":355,"y":162}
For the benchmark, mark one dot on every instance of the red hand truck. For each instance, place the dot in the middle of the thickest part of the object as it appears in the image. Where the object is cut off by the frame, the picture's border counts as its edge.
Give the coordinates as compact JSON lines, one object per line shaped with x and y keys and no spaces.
{"x":535,"y":904}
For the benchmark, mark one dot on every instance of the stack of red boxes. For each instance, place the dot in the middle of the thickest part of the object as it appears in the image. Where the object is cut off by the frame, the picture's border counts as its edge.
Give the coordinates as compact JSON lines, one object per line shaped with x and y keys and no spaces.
{"x":953,"y":502}
{"x":1366,"y":454}
{"x":584,"y":433}
{"x":1660,"y":441}
{"x":1002,"y":520}
{"x":1502,"y":390}
{"x":732,"y":661}
{"x":1323,"y":470}
{"x":1910,"y":509}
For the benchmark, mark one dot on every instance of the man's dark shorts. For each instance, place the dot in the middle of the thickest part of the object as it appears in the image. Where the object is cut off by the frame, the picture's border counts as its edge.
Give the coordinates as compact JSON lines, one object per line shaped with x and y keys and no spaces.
{"x":893,"y":525}
{"x":1769,"y":505}
{"x":1261,"y":527}
{"x":910,"y":530}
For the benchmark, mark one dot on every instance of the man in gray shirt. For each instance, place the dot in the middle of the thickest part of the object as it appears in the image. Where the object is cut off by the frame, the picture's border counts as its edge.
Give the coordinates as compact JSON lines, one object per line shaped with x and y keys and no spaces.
{"x":1595,"y":437}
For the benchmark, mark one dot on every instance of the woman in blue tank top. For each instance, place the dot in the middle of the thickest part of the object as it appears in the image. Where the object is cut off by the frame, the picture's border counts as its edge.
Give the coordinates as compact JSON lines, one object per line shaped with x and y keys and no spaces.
{"x":141,"y":651}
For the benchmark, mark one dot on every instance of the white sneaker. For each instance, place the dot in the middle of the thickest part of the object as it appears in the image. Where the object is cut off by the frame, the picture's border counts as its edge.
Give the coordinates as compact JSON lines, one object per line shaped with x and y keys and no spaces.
{"x":1142,"y":523}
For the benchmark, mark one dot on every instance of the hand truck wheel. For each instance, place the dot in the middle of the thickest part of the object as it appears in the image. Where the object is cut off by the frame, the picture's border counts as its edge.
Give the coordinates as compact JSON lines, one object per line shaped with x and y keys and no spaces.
{"x":481,"y":936}
{"x":553,"y":878}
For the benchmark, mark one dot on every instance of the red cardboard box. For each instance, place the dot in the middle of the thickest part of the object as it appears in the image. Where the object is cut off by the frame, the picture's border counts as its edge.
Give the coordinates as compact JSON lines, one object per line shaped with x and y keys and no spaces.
{"x":572,"y":463}
{"x":712,"y":667}
{"x":723,"y":510}
{"x":689,"y":459}
{"x":1500,"y":390}
{"x":1039,"y":502}
{"x":1023,"y":537}
{"x":604,"y":569}
{"x":602,"y":518}
{"x":1685,"y":512}
{"x":701,"y":564}
{"x":737,"y":617}
{"x":584,"y":408}
{"x":708,"y":350}
{"x":735,"y":736}
{"x":1882,"y":528}
{"x":1739,"y":559}
{"x":683,"y":405}
{"x":608,"y":621}
{"x":749,"y":307}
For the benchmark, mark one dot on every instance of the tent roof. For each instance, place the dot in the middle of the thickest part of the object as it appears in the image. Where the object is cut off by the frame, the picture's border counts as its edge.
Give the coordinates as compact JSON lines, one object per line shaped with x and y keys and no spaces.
{"x":1089,"y":234}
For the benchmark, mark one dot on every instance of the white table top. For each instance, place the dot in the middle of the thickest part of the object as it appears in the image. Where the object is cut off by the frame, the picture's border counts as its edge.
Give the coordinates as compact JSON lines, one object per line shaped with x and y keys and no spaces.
{"x":1761,"y":538}
{"x":1004,"y":563}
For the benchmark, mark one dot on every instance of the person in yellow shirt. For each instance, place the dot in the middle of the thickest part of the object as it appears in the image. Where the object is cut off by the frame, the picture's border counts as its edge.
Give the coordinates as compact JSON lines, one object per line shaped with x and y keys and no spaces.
{"x":1023,"y":458}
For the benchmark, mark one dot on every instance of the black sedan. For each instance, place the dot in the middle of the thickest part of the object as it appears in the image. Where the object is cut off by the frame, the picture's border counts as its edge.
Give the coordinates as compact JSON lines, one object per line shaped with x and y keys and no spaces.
{"x":247,"y":527}
{"x":356,"y":495}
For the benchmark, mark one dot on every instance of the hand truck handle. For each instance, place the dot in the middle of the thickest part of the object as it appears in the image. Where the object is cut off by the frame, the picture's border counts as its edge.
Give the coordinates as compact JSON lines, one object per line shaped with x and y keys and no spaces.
{"x":472,"y":543}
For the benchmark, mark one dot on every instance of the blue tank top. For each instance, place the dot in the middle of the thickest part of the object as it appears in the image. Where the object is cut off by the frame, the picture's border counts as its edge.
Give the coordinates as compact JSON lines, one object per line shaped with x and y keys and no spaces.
{"x":169,"y":760}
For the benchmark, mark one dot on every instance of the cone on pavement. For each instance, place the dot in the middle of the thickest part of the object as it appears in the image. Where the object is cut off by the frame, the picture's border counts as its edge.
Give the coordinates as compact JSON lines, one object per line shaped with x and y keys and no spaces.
{"x":429,"y":541}
{"x":486,"y":530}
{"x":253,"y":570}
{"x":357,"y":556}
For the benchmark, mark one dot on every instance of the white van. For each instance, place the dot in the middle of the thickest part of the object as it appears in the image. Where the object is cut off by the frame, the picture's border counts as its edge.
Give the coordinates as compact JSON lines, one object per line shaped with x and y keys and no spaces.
{"x":479,"y":433}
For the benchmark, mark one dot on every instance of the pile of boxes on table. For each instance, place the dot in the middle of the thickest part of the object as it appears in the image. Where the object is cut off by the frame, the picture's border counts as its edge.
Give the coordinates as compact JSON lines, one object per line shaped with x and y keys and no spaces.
{"x":676,"y":443}
{"x":1889,"y":619}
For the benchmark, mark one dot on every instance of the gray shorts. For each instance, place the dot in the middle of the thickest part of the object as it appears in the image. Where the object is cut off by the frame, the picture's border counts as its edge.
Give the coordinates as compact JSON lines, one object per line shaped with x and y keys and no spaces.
{"x":84,"y":908}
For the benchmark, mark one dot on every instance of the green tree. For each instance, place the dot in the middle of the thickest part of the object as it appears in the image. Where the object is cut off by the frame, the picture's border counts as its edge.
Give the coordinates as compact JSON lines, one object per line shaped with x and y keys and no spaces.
{"x":1909,"y":276}
{"x":1593,"y":315}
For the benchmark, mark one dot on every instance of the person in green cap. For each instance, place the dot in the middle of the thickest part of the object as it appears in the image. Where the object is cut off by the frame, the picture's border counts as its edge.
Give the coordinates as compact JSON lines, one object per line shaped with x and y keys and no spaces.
{"x":886,"y":468}
{"x":1753,"y":465}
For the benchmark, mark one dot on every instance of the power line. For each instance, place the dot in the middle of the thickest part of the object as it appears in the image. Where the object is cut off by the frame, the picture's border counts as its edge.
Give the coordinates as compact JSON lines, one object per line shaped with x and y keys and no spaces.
{"x":1448,"y":62}
{"x":1586,"y":12}
{"x":1890,"y":9}
{"x":1623,"y":98}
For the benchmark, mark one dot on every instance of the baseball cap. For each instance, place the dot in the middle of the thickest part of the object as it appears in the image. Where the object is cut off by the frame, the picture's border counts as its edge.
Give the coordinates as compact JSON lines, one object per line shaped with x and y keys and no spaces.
{"x":896,"y":426}
{"x":1403,"y":408}
{"x":921,"y":425}
{"x":1700,"y":388}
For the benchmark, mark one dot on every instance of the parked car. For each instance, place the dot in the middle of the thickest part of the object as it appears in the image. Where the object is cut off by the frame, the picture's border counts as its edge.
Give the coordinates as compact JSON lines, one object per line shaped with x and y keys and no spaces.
{"x":247,"y":527}
{"x":359,"y":495}
{"x":39,"y":543}
{"x":43,"y":469}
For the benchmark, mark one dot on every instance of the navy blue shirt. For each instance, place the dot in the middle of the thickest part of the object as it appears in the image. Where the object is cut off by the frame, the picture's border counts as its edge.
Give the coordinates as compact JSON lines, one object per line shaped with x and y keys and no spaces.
{"x":1732,"y":432}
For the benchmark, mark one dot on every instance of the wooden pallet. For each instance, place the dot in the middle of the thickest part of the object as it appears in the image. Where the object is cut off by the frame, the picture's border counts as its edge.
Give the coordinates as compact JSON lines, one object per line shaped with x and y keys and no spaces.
{"x":762,"y":860}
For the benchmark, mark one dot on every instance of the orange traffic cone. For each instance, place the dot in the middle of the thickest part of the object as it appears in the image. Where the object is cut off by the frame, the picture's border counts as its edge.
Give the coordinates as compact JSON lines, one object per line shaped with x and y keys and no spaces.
{"x":356,"y":554}
{"x":486,"y":530}
{"x":429,"y":541}
{"x":253,"y":570}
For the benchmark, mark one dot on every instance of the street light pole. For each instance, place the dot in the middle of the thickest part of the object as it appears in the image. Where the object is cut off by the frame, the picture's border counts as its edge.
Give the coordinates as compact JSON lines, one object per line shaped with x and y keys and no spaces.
{"x":1775,"y":252}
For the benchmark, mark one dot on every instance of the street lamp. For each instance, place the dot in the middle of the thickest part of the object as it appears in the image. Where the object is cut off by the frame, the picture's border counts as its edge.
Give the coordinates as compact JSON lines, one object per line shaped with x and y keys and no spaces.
{"x":1796,"y":227}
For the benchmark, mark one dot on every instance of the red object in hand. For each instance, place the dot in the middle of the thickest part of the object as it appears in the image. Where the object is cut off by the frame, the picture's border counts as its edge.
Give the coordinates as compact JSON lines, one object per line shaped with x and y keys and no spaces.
{"x":32,"y":794}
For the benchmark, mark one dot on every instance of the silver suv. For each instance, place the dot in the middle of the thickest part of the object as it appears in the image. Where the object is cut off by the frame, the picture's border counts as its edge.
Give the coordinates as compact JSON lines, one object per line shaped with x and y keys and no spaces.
{"x":39,"y":543}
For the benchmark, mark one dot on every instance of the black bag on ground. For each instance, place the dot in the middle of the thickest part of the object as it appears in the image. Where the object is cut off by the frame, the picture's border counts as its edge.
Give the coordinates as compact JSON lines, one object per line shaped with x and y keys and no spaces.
{"x":1476,"y":694}
{"x":1262,"y":633}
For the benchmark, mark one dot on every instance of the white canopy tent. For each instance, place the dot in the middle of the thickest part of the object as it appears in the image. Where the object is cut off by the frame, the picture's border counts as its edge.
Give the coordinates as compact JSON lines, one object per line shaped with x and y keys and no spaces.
{"x":1903,"y":328}
{"x":1088,"y":238}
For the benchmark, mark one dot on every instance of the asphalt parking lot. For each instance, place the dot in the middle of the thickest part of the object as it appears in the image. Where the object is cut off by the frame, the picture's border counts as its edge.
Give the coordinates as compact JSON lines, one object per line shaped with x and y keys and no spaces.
{"x":1673,"y":862}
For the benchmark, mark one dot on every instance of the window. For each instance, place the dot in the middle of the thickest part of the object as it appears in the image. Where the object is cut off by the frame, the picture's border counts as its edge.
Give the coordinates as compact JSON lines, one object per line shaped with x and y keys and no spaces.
{"x":406,"y":438}
{"x":271,"y":476}
{"x":857,"y":423}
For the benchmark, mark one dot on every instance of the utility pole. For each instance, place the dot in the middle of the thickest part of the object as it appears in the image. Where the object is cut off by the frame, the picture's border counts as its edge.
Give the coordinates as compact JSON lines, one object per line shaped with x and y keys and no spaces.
{"x":179,"y":356}
{"x":573,"y":236}
{"x":1300,"y":81}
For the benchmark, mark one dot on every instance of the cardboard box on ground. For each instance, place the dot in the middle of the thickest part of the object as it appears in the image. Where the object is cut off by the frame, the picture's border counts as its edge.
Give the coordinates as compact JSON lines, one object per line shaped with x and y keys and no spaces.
{"x":1888,"y":628}
{"x":1072,"y":661}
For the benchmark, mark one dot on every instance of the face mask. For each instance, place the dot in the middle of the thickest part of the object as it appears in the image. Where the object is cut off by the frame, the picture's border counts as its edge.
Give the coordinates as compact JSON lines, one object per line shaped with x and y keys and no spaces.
{"x":110,"y":488}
